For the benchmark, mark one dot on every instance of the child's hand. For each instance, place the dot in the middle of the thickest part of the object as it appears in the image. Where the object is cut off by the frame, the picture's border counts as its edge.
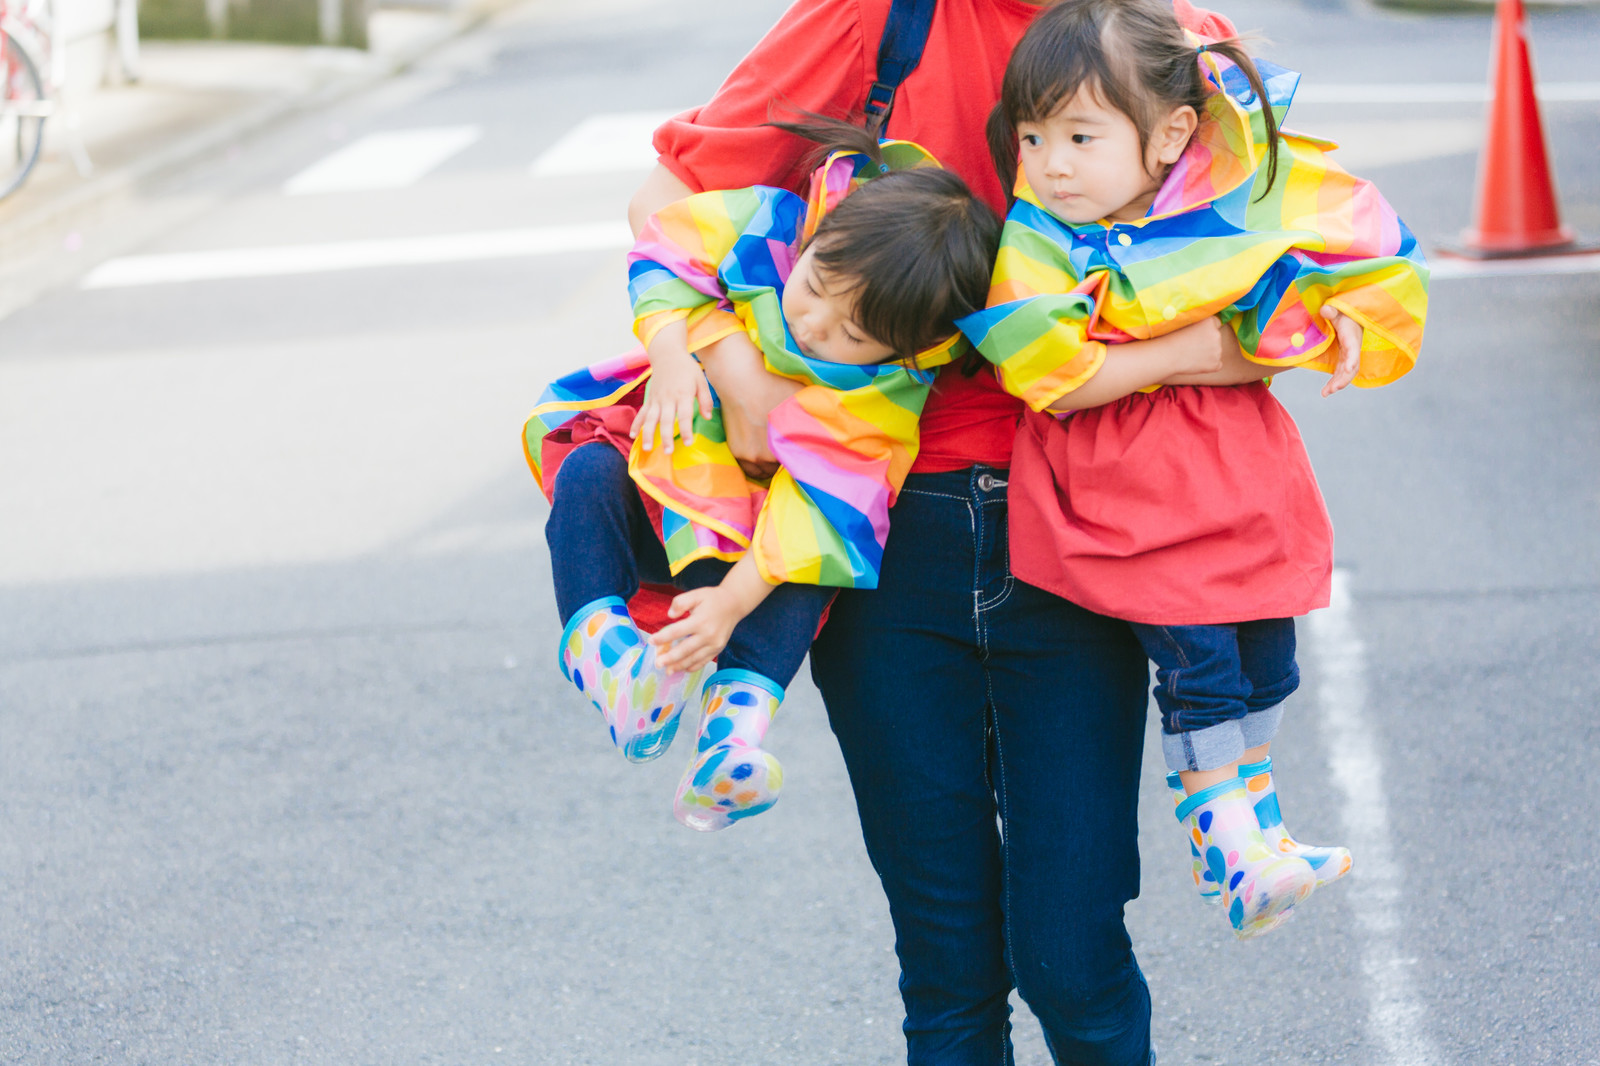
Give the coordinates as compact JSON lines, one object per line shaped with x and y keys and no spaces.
{"x":709,"y":615}
{"x":1349,"y":332}
{"x":675,"y":389}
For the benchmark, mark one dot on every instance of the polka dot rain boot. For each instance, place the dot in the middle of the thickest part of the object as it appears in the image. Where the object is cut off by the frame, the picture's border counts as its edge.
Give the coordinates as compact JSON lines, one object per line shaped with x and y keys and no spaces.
{"x":1210,"y":891}
{"x":731,"y":777}
{"x":605,"y":655}
{"x":1329,"y":864}
{"x":1258,"y":885}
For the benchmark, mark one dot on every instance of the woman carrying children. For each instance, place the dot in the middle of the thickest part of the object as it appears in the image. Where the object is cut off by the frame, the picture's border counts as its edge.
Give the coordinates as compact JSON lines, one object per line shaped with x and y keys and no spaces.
{"x":1157,"y":189}
{"x":959,"y":693}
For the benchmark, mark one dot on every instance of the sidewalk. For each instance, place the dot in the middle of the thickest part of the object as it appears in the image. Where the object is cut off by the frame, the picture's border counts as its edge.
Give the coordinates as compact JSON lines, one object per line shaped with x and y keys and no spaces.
{"x":193,"y":99}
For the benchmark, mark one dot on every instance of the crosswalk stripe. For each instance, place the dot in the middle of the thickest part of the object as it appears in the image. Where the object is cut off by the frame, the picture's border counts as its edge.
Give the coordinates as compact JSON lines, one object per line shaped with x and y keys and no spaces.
{"x":289,"y":260}
{"x":390,"y":160}
{"x":618,"y":140}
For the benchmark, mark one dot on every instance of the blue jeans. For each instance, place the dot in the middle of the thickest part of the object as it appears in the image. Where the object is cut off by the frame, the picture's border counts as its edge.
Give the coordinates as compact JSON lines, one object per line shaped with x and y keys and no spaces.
{"x":1219,"y":687}
{"x":603,"y":544}
{"x":960,"y":695}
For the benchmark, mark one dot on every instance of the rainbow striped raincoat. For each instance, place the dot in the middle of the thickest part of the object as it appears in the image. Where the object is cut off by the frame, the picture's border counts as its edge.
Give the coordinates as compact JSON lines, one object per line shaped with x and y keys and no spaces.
{"x":1213,"y":243}
{"x":846,"y":441}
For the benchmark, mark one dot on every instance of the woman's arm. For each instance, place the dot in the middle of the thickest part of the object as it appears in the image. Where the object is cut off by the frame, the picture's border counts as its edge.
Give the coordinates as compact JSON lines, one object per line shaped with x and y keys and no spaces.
{"x":661,"y":188}
{"x":1232,"y":369}
{"x":748,"y":392}
{"x":1204,"y":353}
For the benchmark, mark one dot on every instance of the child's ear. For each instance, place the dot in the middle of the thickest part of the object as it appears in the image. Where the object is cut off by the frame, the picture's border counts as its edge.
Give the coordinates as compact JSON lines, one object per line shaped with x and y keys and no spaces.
{"x":1173,"y":133}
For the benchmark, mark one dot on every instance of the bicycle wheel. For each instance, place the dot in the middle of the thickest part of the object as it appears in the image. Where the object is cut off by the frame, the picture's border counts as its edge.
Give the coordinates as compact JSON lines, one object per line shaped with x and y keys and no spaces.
{"x":22,"y":112}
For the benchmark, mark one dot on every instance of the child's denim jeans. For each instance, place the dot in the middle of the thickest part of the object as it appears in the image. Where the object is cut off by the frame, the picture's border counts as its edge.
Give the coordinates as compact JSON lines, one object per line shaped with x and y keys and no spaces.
{"x":1220,"y":688}
{"x":602,"y":544}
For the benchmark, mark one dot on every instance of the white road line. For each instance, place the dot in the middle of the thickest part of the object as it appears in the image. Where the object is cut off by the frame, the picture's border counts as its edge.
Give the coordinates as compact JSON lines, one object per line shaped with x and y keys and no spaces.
{"x":1396,"y":1021}
{"x":391,"y":160}
{"x":618,"y":140}
{"x":357,"y":255}
{"x":1446,"y":268}
{"x":1313,"y":92}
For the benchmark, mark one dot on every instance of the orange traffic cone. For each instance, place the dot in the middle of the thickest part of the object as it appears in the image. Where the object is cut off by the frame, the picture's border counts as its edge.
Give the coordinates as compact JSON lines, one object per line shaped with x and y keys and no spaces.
{"x":1517,"y":212}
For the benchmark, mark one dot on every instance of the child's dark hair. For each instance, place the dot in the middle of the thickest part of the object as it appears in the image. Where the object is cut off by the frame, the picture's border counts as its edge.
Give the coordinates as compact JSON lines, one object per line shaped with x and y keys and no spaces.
{"x":1131,"y":53}
{"x":915,"y":247}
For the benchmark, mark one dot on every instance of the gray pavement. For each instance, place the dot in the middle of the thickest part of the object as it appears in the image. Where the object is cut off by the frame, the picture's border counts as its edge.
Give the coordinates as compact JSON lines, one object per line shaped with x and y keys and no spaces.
{"x":288,"y":775}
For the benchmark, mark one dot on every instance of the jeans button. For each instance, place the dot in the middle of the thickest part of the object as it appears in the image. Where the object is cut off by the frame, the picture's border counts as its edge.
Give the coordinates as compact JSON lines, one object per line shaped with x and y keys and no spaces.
{"x":986,"y":482}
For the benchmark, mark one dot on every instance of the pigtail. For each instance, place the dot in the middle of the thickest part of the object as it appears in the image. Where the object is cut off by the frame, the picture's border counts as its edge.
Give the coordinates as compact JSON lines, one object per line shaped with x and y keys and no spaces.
{"x":830,"y":135}
{"x":1003,"y":149}
{"x":1233,"y":50}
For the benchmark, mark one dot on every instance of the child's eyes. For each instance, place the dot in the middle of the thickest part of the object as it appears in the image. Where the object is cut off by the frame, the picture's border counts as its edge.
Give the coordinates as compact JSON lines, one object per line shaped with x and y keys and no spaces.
{"x":851,"y":337}
{"x":1081,"y":138}
{"x":1030,"y":139}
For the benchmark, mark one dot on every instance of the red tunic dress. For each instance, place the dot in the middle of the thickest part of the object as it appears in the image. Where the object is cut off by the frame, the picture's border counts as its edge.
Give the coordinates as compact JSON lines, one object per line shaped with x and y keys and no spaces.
{"x":1183,"y":506}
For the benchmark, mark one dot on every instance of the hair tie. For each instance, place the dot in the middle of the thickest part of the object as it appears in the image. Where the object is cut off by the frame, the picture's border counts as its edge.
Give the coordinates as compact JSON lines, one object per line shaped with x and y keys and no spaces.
{"x":1202,"y":50}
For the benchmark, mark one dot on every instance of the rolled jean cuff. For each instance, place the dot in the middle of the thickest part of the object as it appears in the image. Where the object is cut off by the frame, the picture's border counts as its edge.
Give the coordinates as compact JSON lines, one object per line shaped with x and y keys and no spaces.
{"x":1210,"y":748}
{"x":1259,"y":727}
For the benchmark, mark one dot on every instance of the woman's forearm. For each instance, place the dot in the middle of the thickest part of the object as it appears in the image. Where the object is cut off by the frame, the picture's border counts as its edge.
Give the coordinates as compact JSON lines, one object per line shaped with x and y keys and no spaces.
{"x":1234,"y":368}
{"x":747,"y":392}
{"x":1204,"y":353}
{"x":661,"y":188}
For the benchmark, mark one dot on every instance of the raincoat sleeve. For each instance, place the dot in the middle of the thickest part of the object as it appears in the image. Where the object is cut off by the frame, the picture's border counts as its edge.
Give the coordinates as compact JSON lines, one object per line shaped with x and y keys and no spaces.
{"x":594,"y":387}
{"x":676,"y":266}
{"x":1036,"y":328}
{"x":845,"y":454}
{"x":1351,"y":252}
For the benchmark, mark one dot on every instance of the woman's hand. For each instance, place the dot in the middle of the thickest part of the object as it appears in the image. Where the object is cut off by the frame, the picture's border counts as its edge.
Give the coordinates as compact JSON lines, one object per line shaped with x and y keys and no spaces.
{"x":1202,"y":347}
{"x":1230,"y":366}
{"x":748,"y":392}
{"x":1210,"y":353}
{"x":1350,"y":335}
{"x":676,"y":389}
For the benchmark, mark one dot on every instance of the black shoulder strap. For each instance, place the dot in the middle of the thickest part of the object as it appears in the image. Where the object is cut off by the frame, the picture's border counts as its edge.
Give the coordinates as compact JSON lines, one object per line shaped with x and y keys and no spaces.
{"x":904,"y":36}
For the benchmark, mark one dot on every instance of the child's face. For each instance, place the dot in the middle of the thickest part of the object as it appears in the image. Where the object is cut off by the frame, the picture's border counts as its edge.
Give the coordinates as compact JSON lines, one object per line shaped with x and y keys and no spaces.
{"x":820,"y":312}
{"x":1084,"y":163}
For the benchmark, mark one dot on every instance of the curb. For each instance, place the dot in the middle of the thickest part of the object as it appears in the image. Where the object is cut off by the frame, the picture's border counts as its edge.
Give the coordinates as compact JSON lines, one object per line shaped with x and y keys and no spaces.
{"x":236,"y":129}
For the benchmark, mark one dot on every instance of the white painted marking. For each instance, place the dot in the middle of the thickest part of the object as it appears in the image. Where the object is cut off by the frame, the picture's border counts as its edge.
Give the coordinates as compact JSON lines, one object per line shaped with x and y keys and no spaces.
{"x":1395,"y":1015}
{"x":1312,"y":92}
{"x":357,"y":255}
{"x":1445,"y":268}
{"x":390,"y":160}
{"x":602,"y":143}
{"x":1364,"y":145}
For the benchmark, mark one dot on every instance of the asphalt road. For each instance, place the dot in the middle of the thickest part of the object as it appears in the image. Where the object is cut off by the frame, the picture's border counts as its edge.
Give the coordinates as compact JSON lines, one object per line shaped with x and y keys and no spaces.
{"x":287,"y":774}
